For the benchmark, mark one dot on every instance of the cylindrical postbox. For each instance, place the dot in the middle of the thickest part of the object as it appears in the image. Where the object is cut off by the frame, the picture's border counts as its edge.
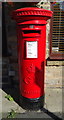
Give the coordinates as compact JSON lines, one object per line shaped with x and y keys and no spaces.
{"x":31,"y":34}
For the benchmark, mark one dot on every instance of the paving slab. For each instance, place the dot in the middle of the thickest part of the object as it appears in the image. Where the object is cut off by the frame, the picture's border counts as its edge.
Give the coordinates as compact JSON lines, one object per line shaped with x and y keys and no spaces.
{"x":53,"y":104}
{"x":54,"y":83}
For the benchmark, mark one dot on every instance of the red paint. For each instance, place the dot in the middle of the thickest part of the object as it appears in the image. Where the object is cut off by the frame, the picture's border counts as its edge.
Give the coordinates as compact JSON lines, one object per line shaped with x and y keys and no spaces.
{"x":31,"y":70}
{"x":54,"y":2}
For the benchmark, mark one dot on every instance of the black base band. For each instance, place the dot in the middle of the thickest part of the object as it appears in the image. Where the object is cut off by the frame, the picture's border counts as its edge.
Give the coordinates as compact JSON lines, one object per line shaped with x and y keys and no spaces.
{"x":32,"y":104}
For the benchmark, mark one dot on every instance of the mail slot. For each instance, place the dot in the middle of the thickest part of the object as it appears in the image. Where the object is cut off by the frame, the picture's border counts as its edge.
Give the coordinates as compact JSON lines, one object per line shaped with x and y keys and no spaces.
{"x":31,"y":33}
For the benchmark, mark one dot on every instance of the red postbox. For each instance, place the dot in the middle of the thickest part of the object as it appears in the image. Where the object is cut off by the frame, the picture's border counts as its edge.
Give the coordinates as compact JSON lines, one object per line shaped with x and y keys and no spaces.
{"x":31,"y":34}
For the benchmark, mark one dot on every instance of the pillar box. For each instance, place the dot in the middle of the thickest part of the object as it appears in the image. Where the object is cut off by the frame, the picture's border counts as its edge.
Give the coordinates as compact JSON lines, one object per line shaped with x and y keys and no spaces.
{"x":31,"y":34}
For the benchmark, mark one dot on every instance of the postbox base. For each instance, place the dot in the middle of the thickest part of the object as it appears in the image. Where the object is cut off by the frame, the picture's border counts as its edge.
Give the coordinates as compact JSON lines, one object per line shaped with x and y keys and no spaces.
{"x":32,"y":104}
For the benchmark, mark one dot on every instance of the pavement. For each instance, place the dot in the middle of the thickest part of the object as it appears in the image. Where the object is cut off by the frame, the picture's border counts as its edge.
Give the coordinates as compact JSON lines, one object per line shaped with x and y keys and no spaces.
{"x":54,"y":92}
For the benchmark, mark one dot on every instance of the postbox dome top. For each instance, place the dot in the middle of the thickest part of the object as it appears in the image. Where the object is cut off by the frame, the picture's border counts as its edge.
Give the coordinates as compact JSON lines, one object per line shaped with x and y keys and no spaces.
{"x":32,"y":11}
